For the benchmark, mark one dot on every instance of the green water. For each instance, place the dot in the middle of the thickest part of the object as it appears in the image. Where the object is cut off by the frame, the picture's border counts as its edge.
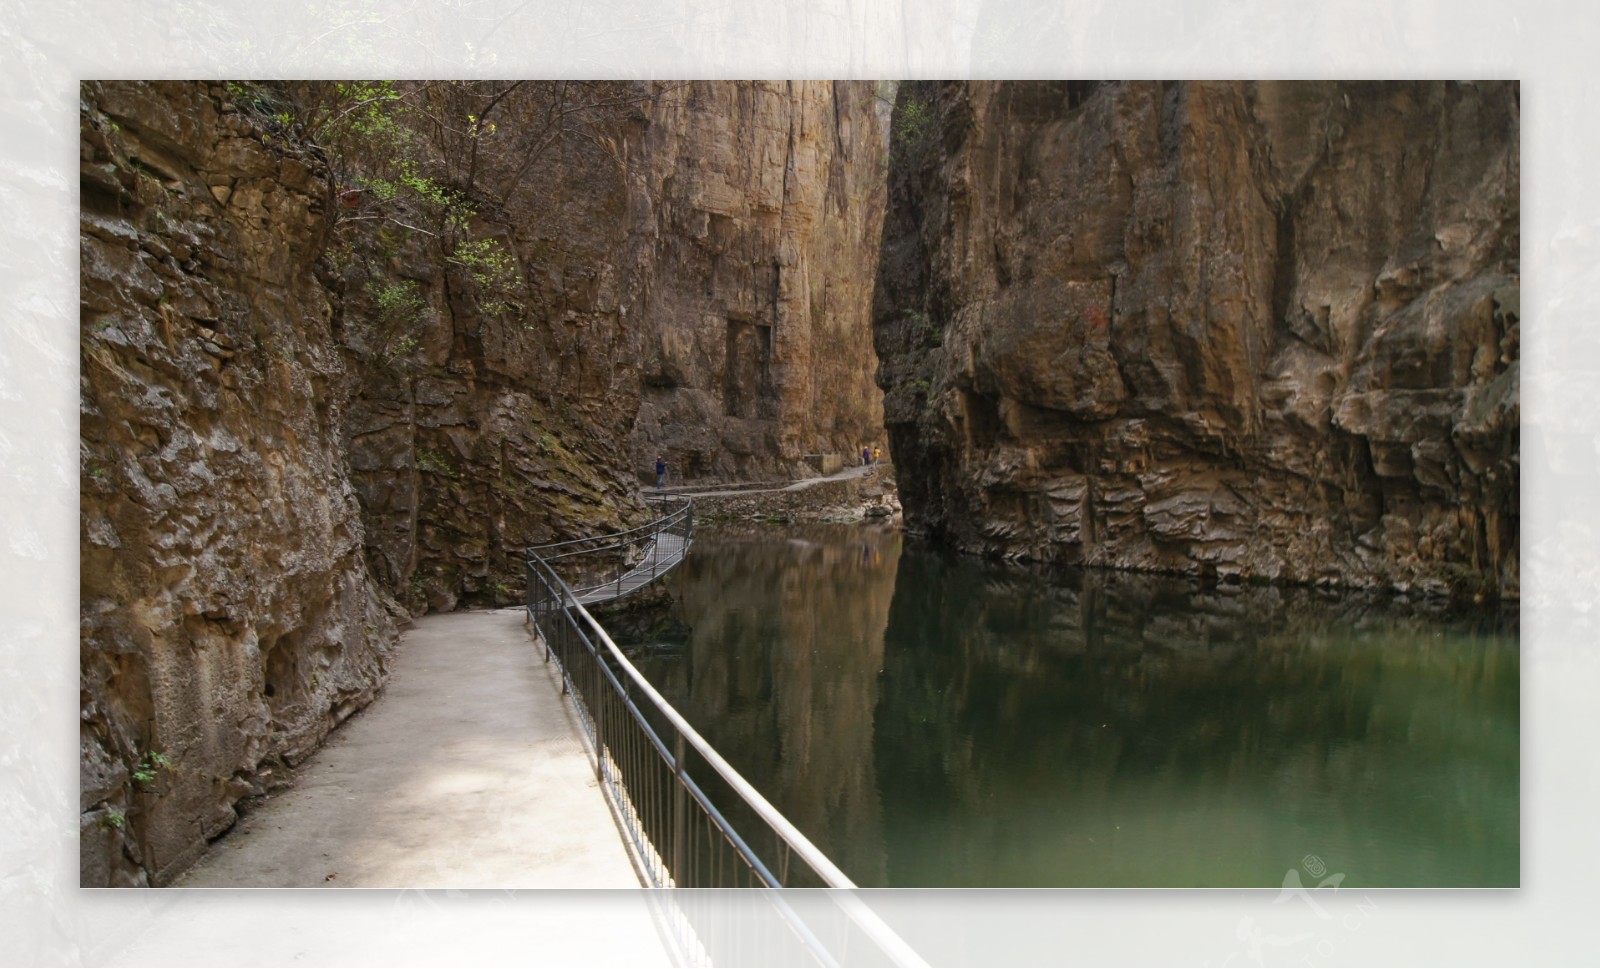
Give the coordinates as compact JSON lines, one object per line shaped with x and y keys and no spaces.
{"x":931,"y":720}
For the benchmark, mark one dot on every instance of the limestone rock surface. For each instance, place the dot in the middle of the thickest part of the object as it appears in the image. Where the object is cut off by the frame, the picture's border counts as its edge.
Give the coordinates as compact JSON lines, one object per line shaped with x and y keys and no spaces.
{"x":759,"y":211}
{"x":1234,"y":330}
{"x":228,"y":619}
{"x":303,"y":418}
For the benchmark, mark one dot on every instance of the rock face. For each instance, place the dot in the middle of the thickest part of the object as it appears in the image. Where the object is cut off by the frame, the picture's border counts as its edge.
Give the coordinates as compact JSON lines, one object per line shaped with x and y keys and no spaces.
{"x":228,"y":620}
{"x":474,"y":434}
{"x":1225,"y":329}
{"x":697,"y":284}
{"x":758,"y":209}
{"x":303,"y":414}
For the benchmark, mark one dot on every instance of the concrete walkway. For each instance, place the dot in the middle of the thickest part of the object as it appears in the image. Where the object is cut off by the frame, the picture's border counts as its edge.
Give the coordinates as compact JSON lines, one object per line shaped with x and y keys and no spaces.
{"x":690,"y":491}
{"x":467,"y":772}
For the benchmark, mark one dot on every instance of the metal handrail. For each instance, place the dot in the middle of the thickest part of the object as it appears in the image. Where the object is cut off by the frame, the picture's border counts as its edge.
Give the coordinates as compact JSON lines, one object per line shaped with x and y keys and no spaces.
{"x":621,"y":747}
{"x":655,"y":525}
{"x":656,"y":559}
{"x":788,"y":832}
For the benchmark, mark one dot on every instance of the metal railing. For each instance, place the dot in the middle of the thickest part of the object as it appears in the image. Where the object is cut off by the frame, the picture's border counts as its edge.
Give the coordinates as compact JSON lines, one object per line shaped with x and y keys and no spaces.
{"x":689,"y":820}
{"x":630,"y":559}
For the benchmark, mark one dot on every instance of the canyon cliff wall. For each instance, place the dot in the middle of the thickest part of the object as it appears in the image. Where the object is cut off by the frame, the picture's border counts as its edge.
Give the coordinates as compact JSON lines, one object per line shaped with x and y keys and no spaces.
{"x":1234,"y":330}
{"x":759,"y":208}
{"x":482,"y":423}
{"x":228,"y":619}
{"x":695,"y":267}
{"x":348,"y":351}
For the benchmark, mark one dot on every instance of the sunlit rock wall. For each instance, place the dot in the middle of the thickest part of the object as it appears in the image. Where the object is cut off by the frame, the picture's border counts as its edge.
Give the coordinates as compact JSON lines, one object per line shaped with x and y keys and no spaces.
{"x":228,"y":620}
{"x":758,"y":207}
{"x":1236,"y":330}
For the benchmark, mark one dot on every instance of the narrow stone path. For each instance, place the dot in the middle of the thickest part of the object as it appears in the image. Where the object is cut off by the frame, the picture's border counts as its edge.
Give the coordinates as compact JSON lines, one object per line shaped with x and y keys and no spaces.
{"x":855,"y":471}
{"x":466,"y":773}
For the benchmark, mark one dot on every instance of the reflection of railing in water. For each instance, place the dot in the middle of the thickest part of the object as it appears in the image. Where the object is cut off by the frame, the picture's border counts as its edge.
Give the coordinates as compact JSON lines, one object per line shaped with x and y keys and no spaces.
{"x":671,"y":791}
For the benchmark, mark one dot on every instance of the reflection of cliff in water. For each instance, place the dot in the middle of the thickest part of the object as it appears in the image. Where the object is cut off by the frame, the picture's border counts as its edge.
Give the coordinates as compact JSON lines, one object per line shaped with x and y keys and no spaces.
{"x":1053,"y":723}
{"x":937,"y":720}
{"x":781,"y":671}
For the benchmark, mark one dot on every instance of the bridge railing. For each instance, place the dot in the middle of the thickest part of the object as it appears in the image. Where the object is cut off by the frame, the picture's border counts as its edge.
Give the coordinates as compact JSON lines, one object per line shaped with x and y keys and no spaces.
{"x":688,"y":818}
{"x":655,"y":546}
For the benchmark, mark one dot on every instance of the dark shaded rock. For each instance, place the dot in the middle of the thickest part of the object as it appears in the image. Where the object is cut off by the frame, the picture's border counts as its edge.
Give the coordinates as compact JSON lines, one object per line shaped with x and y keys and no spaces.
{"x":1258,"y":329}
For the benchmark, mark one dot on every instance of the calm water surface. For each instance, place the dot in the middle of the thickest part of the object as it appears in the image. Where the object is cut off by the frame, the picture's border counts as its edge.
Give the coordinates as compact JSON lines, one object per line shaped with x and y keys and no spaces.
{"x":931,"y":720}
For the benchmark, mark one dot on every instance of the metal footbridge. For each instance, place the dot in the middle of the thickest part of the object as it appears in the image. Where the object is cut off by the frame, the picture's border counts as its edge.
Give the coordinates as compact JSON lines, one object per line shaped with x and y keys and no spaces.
{"x":688,"y":819}
{"x":604,"y":568}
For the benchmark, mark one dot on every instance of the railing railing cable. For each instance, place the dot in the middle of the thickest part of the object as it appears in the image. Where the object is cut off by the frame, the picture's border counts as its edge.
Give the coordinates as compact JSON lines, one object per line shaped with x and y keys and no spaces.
{"x":689,"y":818}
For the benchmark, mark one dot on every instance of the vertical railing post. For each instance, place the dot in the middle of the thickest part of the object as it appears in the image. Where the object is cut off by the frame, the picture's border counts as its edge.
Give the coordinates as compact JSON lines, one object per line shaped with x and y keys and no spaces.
{"x":596,"y":703}
{"x":680,"y":812}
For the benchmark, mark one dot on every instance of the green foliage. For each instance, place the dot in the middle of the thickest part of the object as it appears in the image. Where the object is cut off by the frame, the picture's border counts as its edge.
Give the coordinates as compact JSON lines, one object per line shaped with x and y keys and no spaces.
{"x":913,"y":120}
{"x":400,"y":315}
{"x":150,"y":767}
{"x":406,"y":155}
{"x":399,"y":301}
{"x":433,"y":462}
{"x":403,"y":346}
{"x":407,"y":185}
{"x":923,"y":329}
{"x":493,"y":268}
{"x":244,"y":93}
{"x":113,"y":820}
{"x":263,"y":101}
{"x":341,"y":257}
{"x":360,"y":112}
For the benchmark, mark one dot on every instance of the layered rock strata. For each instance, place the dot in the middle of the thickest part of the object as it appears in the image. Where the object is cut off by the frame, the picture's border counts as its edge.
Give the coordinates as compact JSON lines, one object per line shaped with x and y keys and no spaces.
{"x":474,"y":433}
{"x":228,"y":619}
{"x":696,"y":264}
{"x":301,"y":416}
{"x":758,"y":208}
{"x":1234,"y":330}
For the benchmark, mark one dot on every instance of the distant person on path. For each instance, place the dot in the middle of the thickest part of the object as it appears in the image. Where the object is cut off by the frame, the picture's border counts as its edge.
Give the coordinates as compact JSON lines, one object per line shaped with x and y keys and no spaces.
{"x":877,"y":452}
{"x":866,"y":456}
{"x":661,"y":472}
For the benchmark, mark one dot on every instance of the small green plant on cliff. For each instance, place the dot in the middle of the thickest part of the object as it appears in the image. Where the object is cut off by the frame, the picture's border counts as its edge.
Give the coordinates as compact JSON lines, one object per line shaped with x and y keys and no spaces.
{"x":113,"y":820}
{"x":400,"y":313}
{"x":913,"y":120}
{"x":150,"y":767}
{"x":493,"y":269}
{"x":433,"y":462}
{"x":251,"y":97}
{"x":923,"y":329}
{"x":399,"y":301}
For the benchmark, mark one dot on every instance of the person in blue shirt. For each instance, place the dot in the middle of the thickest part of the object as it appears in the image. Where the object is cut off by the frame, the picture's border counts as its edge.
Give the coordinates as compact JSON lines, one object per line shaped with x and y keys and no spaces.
{"x":661,"y":472}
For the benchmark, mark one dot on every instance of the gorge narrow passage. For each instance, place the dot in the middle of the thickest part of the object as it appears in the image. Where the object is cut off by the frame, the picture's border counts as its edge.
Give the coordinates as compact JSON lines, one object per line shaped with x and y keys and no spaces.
{"x":466,"y":773}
